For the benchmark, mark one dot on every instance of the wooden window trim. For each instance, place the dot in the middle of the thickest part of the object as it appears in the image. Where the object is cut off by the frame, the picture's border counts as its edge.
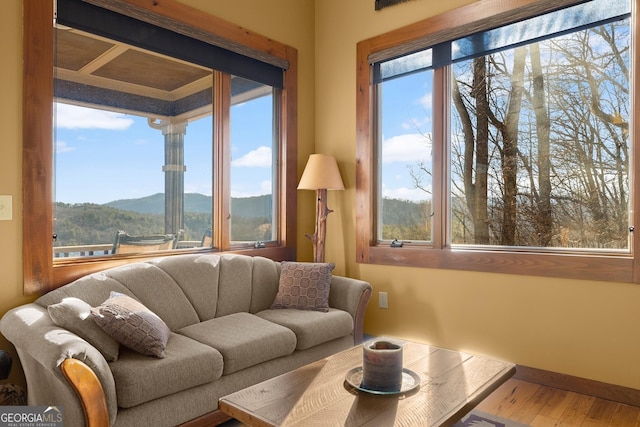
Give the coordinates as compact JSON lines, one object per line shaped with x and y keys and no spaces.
{"x":40,"y":273}
{"x":465,"y":20}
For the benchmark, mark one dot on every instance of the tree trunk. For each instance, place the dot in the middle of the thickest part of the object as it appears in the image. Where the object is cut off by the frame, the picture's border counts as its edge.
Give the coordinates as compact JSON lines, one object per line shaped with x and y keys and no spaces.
{"x":544,"y":220}
{"x":510,"y":150}
{"x":479,"y":92}
{"x":469,"y":148}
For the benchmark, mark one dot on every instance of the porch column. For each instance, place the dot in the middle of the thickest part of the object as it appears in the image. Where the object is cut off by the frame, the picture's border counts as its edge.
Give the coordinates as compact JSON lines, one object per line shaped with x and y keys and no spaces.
{"x":174,"y":169}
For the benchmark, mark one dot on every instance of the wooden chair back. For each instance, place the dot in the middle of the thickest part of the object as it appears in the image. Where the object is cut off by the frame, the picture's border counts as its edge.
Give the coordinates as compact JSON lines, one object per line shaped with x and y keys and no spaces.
{"x":127,"y":244}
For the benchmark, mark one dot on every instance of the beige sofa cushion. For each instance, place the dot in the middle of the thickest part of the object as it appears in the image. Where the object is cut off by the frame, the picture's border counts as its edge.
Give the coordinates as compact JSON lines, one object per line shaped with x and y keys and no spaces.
{"x":197,"y":276}
{"x":243,"y":339}
{"x":187,"y":363}
{"x":311,"y":327}
{"x":157,"y":290}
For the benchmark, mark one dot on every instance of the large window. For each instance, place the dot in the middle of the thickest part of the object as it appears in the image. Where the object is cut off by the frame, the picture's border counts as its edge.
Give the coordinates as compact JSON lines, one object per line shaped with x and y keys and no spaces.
{"x":167,"y":137}
{"x":504,"y":149}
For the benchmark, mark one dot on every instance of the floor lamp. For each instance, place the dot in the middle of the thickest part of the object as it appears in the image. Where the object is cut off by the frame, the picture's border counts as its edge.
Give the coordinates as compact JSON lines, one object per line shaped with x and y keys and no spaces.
{"x":321,"y":174}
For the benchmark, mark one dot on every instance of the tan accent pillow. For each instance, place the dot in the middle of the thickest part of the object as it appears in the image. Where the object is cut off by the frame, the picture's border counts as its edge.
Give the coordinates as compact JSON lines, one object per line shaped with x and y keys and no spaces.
{"x":74,"y":315}
{"x":132,"y":324}
{"x":304,"y":286}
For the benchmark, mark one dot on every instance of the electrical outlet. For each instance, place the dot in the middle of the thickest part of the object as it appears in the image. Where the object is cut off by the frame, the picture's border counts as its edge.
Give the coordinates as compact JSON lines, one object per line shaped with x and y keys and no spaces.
{"x":383,"y":300}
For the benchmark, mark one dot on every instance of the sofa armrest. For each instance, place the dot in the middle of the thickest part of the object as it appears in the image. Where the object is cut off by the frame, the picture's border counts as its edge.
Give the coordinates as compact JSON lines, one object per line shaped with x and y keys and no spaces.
{"x":88,"y":388}
{"x":43,"y":348}
{"x":352,"y":296}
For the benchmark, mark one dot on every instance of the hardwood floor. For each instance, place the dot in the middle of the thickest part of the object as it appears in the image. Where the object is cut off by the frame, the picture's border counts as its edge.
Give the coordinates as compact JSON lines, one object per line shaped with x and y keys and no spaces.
{"x":542,"y":406}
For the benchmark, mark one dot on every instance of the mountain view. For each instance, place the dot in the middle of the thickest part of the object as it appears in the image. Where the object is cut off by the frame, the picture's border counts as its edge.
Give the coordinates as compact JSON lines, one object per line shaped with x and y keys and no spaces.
{"x":90,"y":223}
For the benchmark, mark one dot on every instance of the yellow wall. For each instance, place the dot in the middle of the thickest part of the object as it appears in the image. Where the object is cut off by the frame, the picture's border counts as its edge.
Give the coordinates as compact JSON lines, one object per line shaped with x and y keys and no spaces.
{"x":11,"y":169}
{"x":582,"y":328}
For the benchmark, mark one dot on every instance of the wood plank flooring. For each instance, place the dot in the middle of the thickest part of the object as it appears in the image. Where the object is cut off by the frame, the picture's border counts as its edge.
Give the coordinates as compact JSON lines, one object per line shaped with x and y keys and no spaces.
{"x":542,"y":406}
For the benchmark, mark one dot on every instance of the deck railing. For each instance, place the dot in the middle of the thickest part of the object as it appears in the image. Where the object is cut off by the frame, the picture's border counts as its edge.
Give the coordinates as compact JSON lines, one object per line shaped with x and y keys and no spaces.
{"x":103,"y":249}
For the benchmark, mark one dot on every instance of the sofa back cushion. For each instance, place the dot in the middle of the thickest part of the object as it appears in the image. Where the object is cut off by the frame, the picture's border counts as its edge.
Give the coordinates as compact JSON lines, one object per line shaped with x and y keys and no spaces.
{"x":219,"y":285}
{"x":266,"y":276}
{"x":234,"y":286}
{"x":183,"y":289}
{"x":198,"y":276}
{"x":158,"y":291}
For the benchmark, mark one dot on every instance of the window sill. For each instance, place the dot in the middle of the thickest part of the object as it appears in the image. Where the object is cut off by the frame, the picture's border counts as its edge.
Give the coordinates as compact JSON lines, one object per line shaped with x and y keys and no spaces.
{"x":569,"y":266}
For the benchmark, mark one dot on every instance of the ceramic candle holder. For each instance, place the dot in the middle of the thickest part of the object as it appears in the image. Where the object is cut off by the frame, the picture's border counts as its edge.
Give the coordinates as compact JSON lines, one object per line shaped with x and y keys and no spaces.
{"x":382,"y":366}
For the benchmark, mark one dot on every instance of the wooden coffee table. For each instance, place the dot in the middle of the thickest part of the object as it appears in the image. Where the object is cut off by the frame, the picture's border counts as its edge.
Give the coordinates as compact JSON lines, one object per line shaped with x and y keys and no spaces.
{"x":451,"y":384}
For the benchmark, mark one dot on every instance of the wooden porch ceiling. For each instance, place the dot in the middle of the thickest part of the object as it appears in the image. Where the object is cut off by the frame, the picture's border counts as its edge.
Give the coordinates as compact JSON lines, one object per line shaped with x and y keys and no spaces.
{"x":91,"y":70}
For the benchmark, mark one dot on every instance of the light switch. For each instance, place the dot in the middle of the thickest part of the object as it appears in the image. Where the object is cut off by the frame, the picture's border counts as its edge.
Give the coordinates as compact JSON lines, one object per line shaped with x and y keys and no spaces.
{"x":6,"y":208}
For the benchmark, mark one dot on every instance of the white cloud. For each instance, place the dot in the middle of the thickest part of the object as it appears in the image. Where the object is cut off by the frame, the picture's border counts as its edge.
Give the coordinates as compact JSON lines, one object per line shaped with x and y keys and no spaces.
{"x":63,"y":147}
{"x":426,"y":101}
{"x":260,"y":157}
{"x":409,"y":147}
{"x":421,"y":120}
{"x":74,"y":117}
{"x":266,"y":187}
{"x":404,"y":193}
{"x":417,"y":124}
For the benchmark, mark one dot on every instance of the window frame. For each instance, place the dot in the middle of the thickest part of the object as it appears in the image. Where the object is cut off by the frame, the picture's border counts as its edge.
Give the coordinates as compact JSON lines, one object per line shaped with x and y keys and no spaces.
{"x":481,"y":15}
{"x":40,"y":272}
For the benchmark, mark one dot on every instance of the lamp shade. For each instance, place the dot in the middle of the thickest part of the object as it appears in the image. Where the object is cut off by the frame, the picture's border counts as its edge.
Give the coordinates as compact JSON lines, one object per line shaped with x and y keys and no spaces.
{"x":321,"y":172}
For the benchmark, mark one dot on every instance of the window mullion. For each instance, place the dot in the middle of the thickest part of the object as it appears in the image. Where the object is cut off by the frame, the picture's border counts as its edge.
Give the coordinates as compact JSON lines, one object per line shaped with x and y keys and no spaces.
{"x":221,"y":161}
{"x":376,"y":218}
{"x":441,"y":96}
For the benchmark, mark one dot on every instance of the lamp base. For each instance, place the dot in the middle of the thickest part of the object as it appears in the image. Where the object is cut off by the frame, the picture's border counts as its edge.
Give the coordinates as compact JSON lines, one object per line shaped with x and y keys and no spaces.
{"x":318,"y":238}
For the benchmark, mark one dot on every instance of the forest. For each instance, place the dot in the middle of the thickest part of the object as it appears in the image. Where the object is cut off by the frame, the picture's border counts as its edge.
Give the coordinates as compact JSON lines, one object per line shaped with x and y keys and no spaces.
{"x":89,"y":223}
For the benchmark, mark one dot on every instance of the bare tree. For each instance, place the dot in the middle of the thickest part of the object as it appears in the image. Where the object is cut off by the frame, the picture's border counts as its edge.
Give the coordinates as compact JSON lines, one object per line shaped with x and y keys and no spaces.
{"x":476,"y":146}
{"x":540,"y":143}
{"x":544,"y":219}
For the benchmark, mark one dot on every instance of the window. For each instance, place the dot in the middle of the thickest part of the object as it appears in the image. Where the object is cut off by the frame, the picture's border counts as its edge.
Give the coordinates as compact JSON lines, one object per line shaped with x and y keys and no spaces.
{"x":405,"y":148}
{"x":167,"y":130}
{"x":126,"y":159}
{"x":254,"y":153}
{"x":506,"y":149}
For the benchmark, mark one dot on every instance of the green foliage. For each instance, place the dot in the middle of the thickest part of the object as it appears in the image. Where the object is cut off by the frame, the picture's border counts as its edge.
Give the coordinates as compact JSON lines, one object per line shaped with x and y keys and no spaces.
{"x":91,"y":224}
{"x":88,"y":223}
{"x":406,"y":220}
{"x":245,"y":229}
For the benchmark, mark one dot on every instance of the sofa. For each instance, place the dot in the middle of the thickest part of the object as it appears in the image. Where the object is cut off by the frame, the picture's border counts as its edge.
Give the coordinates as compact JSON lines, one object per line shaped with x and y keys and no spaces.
{"x":219,"y":323}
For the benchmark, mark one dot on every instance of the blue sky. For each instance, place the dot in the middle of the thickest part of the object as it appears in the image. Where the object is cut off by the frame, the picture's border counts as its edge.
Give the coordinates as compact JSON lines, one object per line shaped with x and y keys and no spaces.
{"x":103,"y":156}
{"x":406,"y":133}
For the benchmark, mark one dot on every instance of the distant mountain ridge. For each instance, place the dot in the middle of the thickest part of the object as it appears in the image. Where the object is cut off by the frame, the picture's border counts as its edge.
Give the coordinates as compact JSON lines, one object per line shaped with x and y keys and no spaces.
{"x":251,"y":207}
